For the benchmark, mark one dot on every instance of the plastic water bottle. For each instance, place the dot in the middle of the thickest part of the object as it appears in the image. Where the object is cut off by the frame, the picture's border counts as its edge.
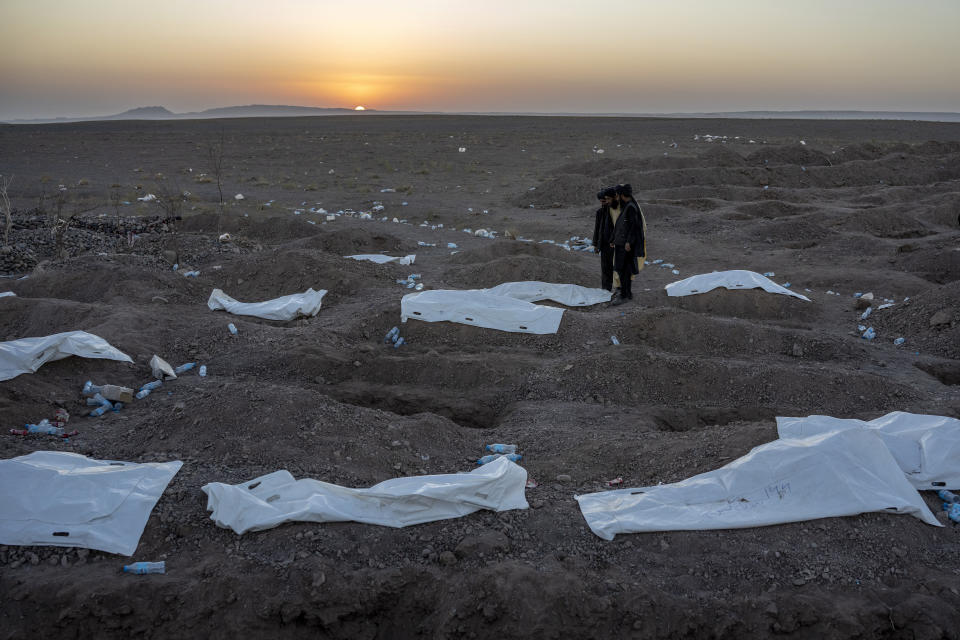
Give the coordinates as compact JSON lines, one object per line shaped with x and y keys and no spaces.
{"x":150,"y":386}
{"x":948,"y":496}
{"x":203,"y":371}
{"x":391,"y":335}
{"x":143,"y":568}
{"x":97,"y":400}
{"x":399,"y":342}
{"x":899,"y":341}
{"x":184,"y":367}
{"x":614,"y":340}
{"x":866,"y":314}
{"x":954,"y":512}
{"x":869,"y":334}
{"x":44,"y":427}
{"x":232,"y":328}
{"x":501,"y":448}
{"x":89,"y":388}
{"x":515,"y":457}
{"x":117,"y":406}
{"x":102,"y":409}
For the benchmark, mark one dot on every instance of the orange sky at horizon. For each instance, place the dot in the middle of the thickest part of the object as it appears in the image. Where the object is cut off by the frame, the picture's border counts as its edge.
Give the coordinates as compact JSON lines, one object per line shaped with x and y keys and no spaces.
{"x":104,"y":56}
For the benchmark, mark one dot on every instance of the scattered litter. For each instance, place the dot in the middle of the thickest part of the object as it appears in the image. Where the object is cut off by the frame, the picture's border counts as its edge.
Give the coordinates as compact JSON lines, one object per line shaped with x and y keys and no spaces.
{"x":899,"y":341}
{"x":68,"y":500}
{"x":462,"y":150}
{"x":501,"y":448}
{"x":238,"y":197}
{"x":190,"y":274}
{"x":203,"y":371}
{"x":866,"y":314}
{"x":388,"y":190}
{"x":869,"y":334}
{"x":832,"y":474}
{"x":224,"y":237}
{"x":382,"y":259}
{"x":7,"y":294}
{"x":421,"y":243}
{"x":147,"y":198}
{"x":147,"y":388}
{"x":282,"y":308}
{"x":734,"y":279}
{"x":614,"y":341}
{"x":272,"y":499}
{"x":615,"y":482}
{"x":143,"y":568}
{"x":26,"y":355}
{"x":161,"y":369}
{"x":184,"y":368}
{"x":451,"y":245}
{"x":232,"y":328}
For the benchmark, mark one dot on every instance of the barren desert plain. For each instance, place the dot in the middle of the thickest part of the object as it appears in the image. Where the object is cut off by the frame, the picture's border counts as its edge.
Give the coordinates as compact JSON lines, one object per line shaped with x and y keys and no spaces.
{"x":836,"y":206}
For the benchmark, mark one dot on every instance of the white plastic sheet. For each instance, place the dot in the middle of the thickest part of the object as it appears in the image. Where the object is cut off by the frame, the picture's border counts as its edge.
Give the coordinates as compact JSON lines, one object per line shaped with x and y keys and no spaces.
{"x":275,"y":498}
{"x":68,"y":500}
{"x":927,"y":448}
{"x":283,"y":308}
{"x":382,"y":259}
{"x":571,"y":295}
{"x":735,"y":279}
{"x":481,"y":309}
{"x":26,"y":355}
{"x":6,"y":294}
{"x":839,"y":473}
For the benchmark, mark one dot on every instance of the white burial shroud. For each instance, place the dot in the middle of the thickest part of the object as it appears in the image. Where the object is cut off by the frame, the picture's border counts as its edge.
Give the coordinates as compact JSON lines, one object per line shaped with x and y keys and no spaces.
{"x":68,"y":500}
{"x":571,"y":295}
{"x":840,"y":473}
{"x":275,"y":498}
{"x":382,"y":259}
{"x":283,"y":308}
{"x":481,"y":309}
{"x":26,"y":355}
{"x":735,"y":279}
{"x":927,"y":448}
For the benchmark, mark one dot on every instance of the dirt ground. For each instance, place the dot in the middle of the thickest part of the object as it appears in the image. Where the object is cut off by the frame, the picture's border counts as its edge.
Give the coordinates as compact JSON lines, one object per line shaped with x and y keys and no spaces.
{"x":829,"y":206}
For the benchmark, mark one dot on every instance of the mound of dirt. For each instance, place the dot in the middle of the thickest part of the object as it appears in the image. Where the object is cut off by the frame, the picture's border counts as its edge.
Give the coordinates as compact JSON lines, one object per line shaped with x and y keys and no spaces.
{"x":913,"y":320}
{"x":937,"y":263}
{"x":517,"y":268}
{"x":752,"y":304}
{"x":771,"y":209}
{"x":567,"y":190}
{"x":790,"y":155}
{"x":265,"y":228}
{"x":352,"y":241}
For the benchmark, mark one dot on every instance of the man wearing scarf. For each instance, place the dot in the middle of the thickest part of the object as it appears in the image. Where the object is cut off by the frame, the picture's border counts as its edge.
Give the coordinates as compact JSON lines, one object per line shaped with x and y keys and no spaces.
{"x":629,"y":241}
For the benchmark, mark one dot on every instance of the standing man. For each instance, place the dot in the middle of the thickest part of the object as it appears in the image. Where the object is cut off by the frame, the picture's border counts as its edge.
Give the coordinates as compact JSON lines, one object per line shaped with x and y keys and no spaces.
{"x":603,"y":235}
{"x":628,"y":241}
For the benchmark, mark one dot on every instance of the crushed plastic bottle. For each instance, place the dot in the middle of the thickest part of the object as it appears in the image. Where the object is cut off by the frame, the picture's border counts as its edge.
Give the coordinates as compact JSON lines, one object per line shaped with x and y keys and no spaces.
{"x":147,"y":388}
{"x":45,"y":427}
{"x":89,"y":388}
{"x":613,"y":340}
{"x":232,"y":327}
{"x":869,"y":334}
{"x":948,"y":497}
{"x":514,"y":457}
{"x":102,"y":409}
{"x":866,"y":314}
{"x":954,"y":512}
{"x":184,"y":367}
{"x":501,"y":448}
{"x":143,"y":568}
{"x":399,"y":342}
{"x":203,"y":371}
{"x":899,"y":341}
{"x":97,"y":400}
{"x":769,"y":274}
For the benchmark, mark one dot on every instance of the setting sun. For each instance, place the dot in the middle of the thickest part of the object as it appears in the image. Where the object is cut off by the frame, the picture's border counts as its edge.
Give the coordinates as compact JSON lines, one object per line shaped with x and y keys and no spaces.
{"x":359,"y":108}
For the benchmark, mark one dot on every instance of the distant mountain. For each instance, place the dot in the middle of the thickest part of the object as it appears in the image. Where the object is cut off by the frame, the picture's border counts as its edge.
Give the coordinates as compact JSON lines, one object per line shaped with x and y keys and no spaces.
{"x":248,"y":111}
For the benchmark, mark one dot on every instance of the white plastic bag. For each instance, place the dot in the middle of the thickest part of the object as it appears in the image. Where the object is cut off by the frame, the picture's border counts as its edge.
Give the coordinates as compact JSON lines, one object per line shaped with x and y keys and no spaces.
{"x":26,"y":355}
{"x":734,"y":279}
{"x":927,"y":448}
{"x":68,"y":500}
{"x":382,"y":259}
{"x":571,"y":295}
{"x":839,"y":473}
{"x":283,"y":308}
{"x":481,"y":309}
{"x":275,"y":498}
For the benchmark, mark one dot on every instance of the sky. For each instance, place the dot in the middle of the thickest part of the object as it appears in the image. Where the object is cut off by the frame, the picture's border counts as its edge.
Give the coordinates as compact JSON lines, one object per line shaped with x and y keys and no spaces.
{"x":97,"y":57}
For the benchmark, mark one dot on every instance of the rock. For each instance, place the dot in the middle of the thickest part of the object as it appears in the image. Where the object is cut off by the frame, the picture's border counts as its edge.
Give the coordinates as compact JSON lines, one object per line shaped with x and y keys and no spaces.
{"x":862,"y":303}
{"x":447,"y":558}
{"x":797,"y":351}
{"x":485,"y":543}
{"x":944,"y":316}
{"x":563,"y":477}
